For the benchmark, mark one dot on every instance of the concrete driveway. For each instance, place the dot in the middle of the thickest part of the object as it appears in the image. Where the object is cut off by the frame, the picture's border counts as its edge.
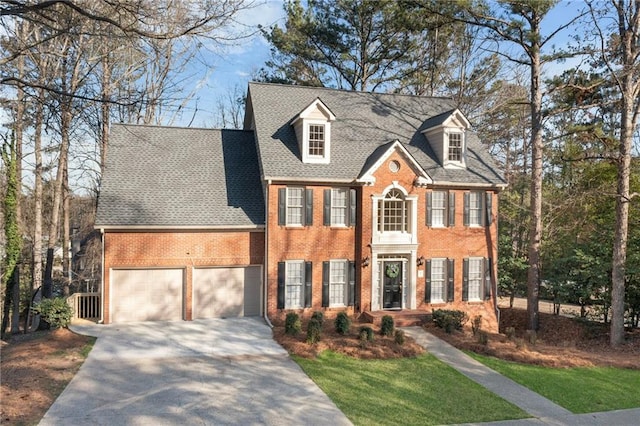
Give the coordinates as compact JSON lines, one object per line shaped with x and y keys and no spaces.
{"x":204,"y":372}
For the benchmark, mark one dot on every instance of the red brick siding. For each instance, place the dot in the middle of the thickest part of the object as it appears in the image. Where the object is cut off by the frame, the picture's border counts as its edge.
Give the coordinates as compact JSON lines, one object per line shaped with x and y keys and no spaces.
{"x":177,"y":249}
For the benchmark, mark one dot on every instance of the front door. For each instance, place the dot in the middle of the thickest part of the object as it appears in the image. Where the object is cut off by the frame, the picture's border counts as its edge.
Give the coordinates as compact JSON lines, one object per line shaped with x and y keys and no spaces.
{"x":392,"y":288}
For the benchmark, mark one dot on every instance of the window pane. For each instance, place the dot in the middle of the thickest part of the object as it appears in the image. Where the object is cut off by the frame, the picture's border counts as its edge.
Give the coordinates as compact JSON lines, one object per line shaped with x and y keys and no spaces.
{"x":293,"y":283}
{"x":338,"y":206}
{"x":294,"y":206}
{"x":438,"y":203}
{"x":437,"y":280}
{"x":394,"y":212}
{"x":455,"y":146}
{"x":475,"y":279}
{"x":337,"y":283}
{"x":475,"y":208}
{"x":316,"y":139}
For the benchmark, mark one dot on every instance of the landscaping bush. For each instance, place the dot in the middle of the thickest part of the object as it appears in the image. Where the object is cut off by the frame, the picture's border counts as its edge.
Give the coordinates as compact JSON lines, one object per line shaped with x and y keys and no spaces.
{"x":292,"y":324}
{"x":449,"y":320}
{"x":342,"y":323}
{"x":483,"y":337}
{"x":56,"y":312}
{"x":314,"y":331}
{"x":319,"y":316}
{"x":366,"y":334}
{"x":399,"y":337}
{"x":387,"y":326}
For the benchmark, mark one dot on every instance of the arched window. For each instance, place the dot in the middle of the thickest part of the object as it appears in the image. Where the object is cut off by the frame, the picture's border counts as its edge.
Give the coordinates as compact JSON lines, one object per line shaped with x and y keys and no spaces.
{"x":393,"y":212}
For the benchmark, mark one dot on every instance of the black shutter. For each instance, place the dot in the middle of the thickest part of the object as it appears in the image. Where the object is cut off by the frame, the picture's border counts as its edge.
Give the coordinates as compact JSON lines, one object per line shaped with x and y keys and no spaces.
{"x":450,"y":280}
{"x":452,"y":209}
{"x":467,"y":201}
{"x":465,"y":279}
{"x":281,"y":281}
{"x":326,"y":208}
{"x":352,"y":207}
{"x":488,"y":207}
{"x":351,"y":291}
{"x":308,"y":207}
{"x":325,"y":284}
{"x":429,"y":208}
{"x":427,"y":282}
{"x":487,"y":279}
{"x":307,"y":284}
{"x":282,"y":206}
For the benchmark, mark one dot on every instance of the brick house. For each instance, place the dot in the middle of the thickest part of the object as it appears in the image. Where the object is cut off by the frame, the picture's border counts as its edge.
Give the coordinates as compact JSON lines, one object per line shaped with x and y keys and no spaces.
{"x":327,"y":200}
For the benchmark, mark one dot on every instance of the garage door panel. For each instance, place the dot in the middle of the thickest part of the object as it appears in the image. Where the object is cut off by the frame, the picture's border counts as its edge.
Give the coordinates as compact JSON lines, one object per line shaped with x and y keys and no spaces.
{"x":146,"y":295}
{"x":223,"y":292}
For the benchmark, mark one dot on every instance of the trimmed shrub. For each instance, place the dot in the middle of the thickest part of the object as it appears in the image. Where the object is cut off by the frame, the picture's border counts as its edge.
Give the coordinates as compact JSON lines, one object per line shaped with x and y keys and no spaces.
{"x":449,"y":320}
{"x":511,"y":333}
{"x":292,"y":324}
{"x":387,"y":327}
{"x":319,"y":316}
{"x":342,"y":323}
{"x":399,"y":337}
{"x":314,"y":331}
{"x":483,"y":337}
{"x":366,"y":334}
{"x":56,"y":312}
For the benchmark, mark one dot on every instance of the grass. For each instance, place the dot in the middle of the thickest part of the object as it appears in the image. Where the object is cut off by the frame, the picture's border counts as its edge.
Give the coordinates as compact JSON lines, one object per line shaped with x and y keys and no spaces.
{"x":413,"y":391}
{"x":579,"y":390}
{"x":87,"y":348}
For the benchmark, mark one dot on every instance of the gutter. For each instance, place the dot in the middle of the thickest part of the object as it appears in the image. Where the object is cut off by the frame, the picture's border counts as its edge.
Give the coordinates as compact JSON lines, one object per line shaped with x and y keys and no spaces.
{"x":101,"y":321}
{"x":265,"y":260}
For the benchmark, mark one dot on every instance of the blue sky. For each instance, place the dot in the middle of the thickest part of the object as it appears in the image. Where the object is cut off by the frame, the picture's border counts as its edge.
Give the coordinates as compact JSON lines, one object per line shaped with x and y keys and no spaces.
{"x":233,"y":65}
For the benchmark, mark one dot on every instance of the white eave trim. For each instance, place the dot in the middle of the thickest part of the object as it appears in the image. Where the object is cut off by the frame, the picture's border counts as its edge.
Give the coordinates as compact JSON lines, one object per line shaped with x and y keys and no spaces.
{"x":498,"y":186}
{"x":367,"y":176}
{"x":317,"y":104}
{"x":456,"y":115}
{"x":281,"y":179}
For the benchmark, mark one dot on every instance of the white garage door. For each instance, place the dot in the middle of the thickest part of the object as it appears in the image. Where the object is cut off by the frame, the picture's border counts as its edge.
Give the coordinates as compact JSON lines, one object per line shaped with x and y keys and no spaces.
{"x":226,"y":292}
{"x":146,"y":295}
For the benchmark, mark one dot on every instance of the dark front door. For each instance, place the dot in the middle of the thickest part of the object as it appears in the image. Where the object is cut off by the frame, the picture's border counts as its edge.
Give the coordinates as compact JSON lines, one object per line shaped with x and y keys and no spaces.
{"x":392,"y":273}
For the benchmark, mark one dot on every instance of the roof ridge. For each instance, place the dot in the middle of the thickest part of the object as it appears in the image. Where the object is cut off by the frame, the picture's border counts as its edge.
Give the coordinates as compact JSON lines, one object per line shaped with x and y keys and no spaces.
{"x":160,"y":126}
{"x":332,"y":89}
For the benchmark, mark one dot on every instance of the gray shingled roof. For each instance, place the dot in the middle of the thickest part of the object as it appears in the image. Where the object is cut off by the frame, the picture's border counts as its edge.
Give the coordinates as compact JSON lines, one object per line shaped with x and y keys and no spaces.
{"x":364,"y":121}
{"x":167,"y":176}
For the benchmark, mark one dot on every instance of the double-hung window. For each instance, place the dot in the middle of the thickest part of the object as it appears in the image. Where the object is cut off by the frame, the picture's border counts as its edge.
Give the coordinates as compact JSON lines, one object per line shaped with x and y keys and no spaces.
{"x":295,"y":206}
{"x":338,"y":283}
{"x":316,"y":140}
{"x":475,"y":209}
{"x":455,"y":147}
{"x":294,"y":284}
{"x":475,"y":279}
{"x":438,"y":280}
{"x":339,"y":198}
{"x":438,"y":208}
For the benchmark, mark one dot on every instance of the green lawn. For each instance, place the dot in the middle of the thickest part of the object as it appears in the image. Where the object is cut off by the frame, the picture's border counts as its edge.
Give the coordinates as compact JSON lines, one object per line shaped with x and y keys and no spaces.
{"x":408,"y":391}
{"x":579,"y":390}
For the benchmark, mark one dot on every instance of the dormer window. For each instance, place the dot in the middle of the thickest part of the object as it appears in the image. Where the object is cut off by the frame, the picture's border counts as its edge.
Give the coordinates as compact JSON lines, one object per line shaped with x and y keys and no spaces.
{"x":316,"y":140}
{"x":455,"y":146}
{"x":313,"y":132}
{"x":446,"y":135}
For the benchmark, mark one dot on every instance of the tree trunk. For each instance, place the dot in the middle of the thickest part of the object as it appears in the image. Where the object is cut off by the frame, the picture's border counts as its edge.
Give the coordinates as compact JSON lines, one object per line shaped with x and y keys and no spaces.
{"x":37,"y":194}
{"x":15,"y":299}
{"x":535,"y":230}
{"x":66,"y":240}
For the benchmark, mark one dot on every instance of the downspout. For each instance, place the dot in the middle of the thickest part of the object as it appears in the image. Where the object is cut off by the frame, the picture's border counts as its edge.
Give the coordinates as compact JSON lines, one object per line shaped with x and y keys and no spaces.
{"x":101,"y":321}
{"x":265,"y":272}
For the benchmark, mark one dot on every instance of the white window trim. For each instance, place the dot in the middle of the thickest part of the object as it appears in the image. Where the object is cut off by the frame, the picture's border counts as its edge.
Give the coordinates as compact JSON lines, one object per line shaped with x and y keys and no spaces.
{"x":396,"y":237}
{"x":287,"y":284}
{"x":345,"y":223}
{"x":344,"y":264}
{"x":463,"y":147}
{"x":480,"y":196}
{"x":302,"y":212}
{"x":444,"y":209}
{"x":444,"y":279}
{"x":480,"y":262}
{"x":317,"y":159}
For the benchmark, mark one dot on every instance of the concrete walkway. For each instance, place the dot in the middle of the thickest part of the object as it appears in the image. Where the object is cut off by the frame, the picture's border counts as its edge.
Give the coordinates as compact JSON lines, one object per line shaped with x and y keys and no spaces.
{"x":544,"y":411}
{"x":203,"y":372}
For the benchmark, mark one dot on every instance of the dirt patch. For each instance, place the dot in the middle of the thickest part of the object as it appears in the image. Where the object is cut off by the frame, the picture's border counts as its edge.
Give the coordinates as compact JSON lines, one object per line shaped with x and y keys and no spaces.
{"x":35,"y":369}
{"x":382,"y":347}
{"x":560,"y":342}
